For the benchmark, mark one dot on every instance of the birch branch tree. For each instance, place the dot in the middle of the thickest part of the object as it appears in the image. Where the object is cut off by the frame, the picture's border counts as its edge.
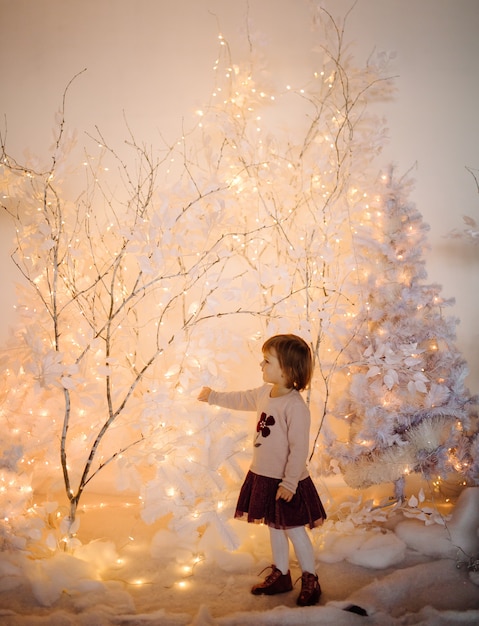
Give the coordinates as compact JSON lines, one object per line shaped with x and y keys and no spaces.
{"x":145,"y":273}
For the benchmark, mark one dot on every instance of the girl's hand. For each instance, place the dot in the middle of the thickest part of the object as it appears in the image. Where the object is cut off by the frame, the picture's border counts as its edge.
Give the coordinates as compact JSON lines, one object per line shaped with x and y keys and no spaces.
{"x":204,"y":394}
{"x":284,"y":494}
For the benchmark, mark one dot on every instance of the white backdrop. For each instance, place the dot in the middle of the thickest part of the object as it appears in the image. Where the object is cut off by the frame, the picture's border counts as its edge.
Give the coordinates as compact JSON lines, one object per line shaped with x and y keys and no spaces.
{"x":150,"y":61}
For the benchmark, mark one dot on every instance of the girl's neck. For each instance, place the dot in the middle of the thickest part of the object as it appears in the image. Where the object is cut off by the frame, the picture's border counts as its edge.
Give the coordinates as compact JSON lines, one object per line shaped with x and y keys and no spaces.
{"x":278,"y":391}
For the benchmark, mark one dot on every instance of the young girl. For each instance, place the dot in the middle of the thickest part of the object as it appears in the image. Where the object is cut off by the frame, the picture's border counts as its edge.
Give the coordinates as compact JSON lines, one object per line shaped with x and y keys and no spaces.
{"x":278,"y":490}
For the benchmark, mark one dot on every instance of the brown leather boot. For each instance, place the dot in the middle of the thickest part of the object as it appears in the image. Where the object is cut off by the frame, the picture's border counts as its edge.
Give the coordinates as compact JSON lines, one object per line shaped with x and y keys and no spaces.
{"x":310,"y":590}
{"x":276,"y":582}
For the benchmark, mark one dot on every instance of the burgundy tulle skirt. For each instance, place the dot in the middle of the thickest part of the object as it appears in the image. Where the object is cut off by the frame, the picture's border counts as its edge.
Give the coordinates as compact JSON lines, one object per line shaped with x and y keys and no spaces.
{"x":257,"y":503}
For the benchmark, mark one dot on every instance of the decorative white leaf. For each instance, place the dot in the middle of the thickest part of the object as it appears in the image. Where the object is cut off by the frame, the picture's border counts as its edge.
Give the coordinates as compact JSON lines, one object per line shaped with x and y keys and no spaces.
{"x":413,"y":501}
{"x":174,"y":369}
{"x":412,"y":361}
{"x":51,"y":541}
{"x":373,"y":371}
{"x":421,"y":376}
{"x":420,"y":386}
{"x":145,"y":265}
{"x":67,"y":382}
{"x":391,"y":379}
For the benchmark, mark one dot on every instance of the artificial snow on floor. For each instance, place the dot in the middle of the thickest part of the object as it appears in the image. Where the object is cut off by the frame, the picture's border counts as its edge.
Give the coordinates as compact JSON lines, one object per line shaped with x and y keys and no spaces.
{"x":397,"y":569}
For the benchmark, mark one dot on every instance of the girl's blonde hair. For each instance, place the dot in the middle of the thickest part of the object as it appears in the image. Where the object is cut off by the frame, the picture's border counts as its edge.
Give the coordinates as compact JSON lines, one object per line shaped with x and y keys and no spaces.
{"x":295,"y":359}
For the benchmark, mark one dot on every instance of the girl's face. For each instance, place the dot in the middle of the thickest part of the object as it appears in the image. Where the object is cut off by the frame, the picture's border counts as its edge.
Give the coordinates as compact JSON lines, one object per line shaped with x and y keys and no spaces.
{"x":272,"y":372}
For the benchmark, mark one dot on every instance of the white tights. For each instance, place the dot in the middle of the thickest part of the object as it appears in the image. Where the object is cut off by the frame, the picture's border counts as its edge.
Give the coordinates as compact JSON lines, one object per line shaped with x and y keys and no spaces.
{"x":303,"y":548}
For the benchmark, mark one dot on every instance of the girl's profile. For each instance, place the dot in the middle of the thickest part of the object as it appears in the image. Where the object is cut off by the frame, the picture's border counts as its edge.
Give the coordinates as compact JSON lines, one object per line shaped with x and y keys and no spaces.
{"x":278,"y":490}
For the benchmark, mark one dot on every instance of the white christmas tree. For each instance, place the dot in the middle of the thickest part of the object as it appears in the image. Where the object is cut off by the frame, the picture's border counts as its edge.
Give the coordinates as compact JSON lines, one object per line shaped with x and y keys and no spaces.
{"x":406,"y":404}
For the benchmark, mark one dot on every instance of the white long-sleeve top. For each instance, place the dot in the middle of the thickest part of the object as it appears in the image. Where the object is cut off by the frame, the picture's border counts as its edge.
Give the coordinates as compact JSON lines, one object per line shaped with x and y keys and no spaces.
{"x":281,"y":442}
